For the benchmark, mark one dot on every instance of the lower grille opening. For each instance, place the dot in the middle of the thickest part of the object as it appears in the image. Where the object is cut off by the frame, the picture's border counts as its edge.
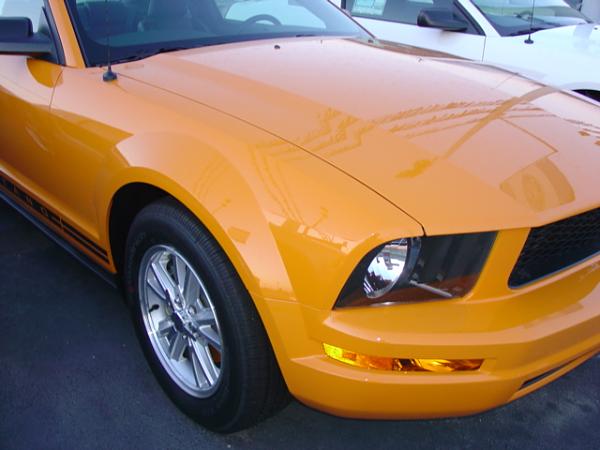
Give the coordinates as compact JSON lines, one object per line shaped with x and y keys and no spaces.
{"x":535,"y":380}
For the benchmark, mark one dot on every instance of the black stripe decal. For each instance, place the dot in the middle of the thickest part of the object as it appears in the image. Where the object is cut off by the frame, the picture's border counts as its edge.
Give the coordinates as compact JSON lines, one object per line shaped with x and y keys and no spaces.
{"x":82,"y":238}
{"x":27,"y":200}
{"x":82,"y":242}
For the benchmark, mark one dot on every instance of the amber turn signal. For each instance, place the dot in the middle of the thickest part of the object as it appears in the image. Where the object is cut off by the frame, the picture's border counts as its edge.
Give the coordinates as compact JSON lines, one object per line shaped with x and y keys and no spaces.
{"x":402,"y":364}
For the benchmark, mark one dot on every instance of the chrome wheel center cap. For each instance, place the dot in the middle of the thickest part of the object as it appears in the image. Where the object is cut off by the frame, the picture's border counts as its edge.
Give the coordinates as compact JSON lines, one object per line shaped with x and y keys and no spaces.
{"x":179,"y":324}
{"x":184,"y":323}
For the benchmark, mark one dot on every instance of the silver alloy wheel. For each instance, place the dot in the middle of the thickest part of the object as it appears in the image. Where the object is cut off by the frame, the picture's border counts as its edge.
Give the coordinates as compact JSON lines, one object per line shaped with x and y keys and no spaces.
{"x":180,"y":321}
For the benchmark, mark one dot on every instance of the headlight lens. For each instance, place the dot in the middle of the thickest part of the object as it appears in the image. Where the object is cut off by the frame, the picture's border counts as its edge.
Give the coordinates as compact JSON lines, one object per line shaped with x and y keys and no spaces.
{"x":416,"y":269}
{"x":386,"y":268}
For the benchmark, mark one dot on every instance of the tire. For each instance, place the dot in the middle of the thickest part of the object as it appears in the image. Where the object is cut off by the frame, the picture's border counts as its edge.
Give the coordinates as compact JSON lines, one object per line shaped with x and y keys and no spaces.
{"x":206,"y":345}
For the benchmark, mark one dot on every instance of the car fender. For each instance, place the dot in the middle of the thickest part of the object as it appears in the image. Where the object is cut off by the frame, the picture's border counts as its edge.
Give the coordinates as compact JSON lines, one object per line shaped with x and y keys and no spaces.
{"x":267,"y":215}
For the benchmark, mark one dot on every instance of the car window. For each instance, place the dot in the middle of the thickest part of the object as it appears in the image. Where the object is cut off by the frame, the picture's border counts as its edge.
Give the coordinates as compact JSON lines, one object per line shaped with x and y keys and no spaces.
{"x":514,"y":17}
{"x":266,"y":11}
{"x":23,"y":8}
{"x":575,"y":4}
{"x":404,"y":11}
{"x":139,"y":28}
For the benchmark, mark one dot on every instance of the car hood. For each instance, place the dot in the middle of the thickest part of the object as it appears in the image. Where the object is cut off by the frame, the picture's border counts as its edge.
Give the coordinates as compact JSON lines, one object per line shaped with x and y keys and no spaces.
{"x":567,"y":56}
{"x":583,"y":40}
{"x":458,"y":146}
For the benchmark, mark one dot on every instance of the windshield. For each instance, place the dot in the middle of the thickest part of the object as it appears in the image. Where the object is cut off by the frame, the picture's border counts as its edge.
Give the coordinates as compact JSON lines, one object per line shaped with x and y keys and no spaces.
{"x":513,"y":17}
{"x":140,"y":28}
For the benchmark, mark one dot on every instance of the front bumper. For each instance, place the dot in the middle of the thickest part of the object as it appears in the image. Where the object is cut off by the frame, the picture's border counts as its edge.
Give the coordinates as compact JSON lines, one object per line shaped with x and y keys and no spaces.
{"x":527,"y":337}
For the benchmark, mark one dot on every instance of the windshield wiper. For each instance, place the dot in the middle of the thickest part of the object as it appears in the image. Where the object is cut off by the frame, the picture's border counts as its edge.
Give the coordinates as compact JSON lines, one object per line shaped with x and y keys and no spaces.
{"x":147,"y":53}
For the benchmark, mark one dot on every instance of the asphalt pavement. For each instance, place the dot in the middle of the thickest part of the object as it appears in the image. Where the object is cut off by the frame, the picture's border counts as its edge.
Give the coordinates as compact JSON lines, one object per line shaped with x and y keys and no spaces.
{"x":73,"y":377}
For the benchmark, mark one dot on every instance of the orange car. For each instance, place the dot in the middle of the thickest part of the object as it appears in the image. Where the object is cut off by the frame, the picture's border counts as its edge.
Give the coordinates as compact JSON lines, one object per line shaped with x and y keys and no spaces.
{"x":292,"y":206}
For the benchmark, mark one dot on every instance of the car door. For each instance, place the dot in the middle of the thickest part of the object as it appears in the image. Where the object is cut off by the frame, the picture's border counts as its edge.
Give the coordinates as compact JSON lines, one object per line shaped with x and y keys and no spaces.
{"x":36,"y":167}
{"x":26,"y":88}
{"x":396,"y":20}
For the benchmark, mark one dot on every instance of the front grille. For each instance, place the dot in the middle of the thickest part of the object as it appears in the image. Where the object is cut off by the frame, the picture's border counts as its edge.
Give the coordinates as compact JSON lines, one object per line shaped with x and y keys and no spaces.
{"x":557,"y":246}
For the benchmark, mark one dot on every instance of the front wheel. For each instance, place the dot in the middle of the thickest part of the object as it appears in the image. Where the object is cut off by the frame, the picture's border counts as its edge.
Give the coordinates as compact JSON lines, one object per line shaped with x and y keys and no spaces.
{"x":196,"y":322}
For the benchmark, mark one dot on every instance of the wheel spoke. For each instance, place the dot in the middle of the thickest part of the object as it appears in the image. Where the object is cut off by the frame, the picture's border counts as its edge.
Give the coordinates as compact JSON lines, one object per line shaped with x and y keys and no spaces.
{"x":204,"y":364}
{"x":164,"y":279}
{"x":183,"y":273}
{"x":177,"y":346}
{"x":199,"y":375}
{"x":204,"y":317}
{"x":165,"y":327}
{"x":155,"y":286}
{"x":191,"y":289}
{"x":211,"y":336}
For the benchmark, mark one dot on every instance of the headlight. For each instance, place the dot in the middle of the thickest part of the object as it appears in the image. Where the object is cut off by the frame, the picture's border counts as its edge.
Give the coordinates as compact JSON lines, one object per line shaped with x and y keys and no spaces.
{"x":416,"y":269}
{"x":388,"y":266}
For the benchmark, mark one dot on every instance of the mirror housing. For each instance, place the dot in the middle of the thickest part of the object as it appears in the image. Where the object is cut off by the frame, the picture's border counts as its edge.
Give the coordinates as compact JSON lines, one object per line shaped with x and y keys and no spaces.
{"x":442,"y":19}
{"x":17,"y":38}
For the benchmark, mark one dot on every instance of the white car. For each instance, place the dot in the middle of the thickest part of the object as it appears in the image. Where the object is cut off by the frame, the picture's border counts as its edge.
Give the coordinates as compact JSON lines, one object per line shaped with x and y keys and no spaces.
{"x":563,"y":50}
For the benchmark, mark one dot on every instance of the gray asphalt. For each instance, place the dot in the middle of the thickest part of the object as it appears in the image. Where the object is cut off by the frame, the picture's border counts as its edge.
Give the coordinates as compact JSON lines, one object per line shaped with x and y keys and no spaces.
{"x":72,"y":376}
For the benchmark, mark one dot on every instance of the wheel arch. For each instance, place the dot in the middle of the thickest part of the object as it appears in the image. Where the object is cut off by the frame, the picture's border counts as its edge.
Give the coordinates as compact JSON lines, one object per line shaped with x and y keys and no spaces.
{"x":131,"y":197}
{"x":126,"y":204}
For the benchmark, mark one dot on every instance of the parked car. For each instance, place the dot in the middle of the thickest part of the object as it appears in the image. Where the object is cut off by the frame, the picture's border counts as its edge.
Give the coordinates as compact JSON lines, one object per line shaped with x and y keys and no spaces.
{"x":299,"y":208}
{"x":563,"y":49}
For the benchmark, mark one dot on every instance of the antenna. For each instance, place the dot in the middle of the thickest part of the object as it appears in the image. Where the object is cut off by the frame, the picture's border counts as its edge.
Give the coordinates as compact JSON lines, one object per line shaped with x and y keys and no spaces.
{"x":529,"y":40}
{"x":109,"y":75}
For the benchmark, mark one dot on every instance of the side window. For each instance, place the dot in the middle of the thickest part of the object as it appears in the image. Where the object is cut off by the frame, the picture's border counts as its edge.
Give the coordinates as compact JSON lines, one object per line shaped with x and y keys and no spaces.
{"x":404,"y":11}
{"x":23,"y":8}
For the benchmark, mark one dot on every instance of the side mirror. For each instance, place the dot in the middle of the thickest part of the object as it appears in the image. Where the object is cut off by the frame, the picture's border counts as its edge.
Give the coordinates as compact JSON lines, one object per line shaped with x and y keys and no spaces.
{"x":17,"y":38}
{"x":442,"y":19}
